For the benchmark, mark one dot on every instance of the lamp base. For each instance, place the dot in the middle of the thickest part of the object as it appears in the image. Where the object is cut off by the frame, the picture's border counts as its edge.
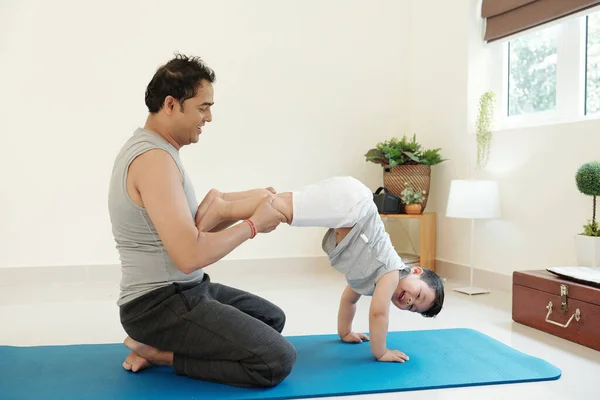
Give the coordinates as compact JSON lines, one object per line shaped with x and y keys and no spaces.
{"x":470,"y":290}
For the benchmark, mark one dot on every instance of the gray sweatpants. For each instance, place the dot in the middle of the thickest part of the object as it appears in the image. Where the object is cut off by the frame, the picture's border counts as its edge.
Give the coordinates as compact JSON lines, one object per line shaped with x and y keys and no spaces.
{"x":217,"y":333}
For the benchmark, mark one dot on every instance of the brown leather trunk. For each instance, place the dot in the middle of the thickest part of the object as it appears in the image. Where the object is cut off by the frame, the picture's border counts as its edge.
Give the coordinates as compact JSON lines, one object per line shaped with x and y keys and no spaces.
{"x":541,"y":298}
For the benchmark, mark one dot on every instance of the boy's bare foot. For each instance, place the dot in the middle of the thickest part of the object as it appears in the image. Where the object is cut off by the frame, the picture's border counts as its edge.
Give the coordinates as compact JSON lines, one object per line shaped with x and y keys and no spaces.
{"x":213,"y":215}
{"x":283,"y":204}
{"x":147,"y":353}
{"x":206,"y":203}
{"x":134,"y":362}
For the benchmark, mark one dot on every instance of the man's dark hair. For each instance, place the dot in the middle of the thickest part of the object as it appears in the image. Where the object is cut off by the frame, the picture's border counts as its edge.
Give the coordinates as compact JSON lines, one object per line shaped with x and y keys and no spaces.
{"x":181,"y":77}
{"x":435,"y":282}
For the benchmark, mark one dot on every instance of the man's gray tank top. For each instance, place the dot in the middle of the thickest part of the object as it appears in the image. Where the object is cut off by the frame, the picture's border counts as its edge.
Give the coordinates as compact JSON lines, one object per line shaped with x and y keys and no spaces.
{"x":145,"y":264}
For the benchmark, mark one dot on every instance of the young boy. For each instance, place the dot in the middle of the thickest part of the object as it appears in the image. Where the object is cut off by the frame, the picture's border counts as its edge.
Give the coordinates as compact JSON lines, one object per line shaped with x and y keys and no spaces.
{"x":357,"y":246}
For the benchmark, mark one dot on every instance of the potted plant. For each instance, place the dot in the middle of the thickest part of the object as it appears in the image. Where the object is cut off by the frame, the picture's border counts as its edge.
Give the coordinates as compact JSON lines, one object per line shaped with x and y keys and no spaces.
{"x":487,"y":104}
{"x":405,"y":160}
{"x":587,"y":243}
{"x":412,"y":199}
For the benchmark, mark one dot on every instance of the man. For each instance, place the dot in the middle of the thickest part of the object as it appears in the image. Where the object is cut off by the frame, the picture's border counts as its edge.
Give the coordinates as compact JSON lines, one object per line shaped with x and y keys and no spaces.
{"x":174,"y":315}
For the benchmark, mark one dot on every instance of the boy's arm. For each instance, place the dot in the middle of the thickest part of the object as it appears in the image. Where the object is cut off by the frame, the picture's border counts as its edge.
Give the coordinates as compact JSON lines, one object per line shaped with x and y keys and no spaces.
{"x":379,"y":318}
{"x":346,"y":315}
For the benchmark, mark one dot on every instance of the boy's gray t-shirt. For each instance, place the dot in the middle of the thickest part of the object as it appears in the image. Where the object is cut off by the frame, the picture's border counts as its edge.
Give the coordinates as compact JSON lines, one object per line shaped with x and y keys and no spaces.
{"x":365,"y":254}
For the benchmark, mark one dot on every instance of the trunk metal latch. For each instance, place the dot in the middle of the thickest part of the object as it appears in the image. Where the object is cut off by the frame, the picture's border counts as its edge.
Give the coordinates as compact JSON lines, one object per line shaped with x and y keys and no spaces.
{"x":564,"y":292}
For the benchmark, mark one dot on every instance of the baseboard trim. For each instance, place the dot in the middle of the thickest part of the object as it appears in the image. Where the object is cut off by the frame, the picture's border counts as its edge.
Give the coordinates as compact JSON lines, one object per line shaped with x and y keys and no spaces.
{"x":481,"y":278}
{"x":10,"y":276}
{"x":318,"y":265}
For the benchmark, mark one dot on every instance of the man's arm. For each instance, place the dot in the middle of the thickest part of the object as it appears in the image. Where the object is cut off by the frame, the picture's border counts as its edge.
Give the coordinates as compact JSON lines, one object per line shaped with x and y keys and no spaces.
{"x":379,"y":318}
{"x":159,"y":183}
{"x":222,"y":226}
{"x":346,"y":314}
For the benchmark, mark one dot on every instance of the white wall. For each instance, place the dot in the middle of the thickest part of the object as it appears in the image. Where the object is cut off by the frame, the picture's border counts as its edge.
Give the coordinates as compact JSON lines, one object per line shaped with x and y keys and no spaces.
{"x":535,"y":167}
{"x":304,"y":89}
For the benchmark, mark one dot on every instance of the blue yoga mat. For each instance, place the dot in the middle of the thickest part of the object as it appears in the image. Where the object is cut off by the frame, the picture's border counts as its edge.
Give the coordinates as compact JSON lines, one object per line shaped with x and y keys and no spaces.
{"x":325,"y":367}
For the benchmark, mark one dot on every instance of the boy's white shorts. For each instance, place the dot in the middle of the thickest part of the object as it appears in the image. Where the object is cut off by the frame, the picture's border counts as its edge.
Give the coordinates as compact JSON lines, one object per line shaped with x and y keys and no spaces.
{"x":338,"y":202}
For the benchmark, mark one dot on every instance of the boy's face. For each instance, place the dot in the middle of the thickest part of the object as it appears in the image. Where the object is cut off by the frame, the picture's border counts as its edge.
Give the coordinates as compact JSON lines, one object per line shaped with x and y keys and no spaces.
{"x":413,"y":294}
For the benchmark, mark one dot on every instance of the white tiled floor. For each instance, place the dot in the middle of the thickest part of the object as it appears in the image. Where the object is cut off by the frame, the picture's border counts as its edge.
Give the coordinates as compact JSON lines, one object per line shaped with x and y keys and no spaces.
{"x":85,"y":312}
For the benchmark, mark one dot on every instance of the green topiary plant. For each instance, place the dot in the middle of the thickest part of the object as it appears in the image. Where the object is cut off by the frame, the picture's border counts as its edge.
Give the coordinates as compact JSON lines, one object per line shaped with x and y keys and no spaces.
{"x":487,"y":103}
{"x":395,"y":152}
{"x":588,"y":183}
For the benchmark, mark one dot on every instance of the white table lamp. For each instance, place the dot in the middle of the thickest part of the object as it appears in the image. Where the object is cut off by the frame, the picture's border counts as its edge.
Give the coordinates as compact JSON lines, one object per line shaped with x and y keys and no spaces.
{"x":473,"y":199}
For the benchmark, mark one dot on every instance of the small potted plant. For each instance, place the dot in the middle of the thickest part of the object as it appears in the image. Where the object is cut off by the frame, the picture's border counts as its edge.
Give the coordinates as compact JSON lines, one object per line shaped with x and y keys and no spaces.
{"x":404,"y":160}
{"x":587,"y":243}
{"x":412,"y":199}
{"x":487,"y":104}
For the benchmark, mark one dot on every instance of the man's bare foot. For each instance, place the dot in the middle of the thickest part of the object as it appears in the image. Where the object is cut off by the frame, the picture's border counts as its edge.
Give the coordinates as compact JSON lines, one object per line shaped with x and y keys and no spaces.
{"x":134,"y":362}
{"x":148,"y":353}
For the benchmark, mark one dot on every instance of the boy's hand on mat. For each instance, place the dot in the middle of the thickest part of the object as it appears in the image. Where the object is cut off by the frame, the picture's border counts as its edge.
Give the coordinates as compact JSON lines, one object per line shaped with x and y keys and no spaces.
{"x":393,"y":356}
{"x":270,"y":189}
{"x":354,"y":337}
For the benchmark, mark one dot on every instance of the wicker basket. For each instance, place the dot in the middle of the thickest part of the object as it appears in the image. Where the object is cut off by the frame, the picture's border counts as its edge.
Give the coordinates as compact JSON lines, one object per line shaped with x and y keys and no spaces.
{"x":418,"y":176}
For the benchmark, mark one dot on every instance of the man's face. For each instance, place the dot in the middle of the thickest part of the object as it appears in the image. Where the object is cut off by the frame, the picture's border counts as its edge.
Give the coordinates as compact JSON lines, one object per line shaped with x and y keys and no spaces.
{"x":189,"y":118}
{"x":413,"y":294}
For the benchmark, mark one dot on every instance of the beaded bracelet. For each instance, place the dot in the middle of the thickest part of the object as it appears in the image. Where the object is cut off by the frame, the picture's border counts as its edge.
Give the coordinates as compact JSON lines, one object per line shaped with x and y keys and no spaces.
{"x":251,"y":227}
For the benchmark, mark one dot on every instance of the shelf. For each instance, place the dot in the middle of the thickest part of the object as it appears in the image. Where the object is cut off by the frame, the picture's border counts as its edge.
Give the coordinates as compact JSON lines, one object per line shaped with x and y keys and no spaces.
{"x":410,"y":259}
{"x":427,"y":227}
{"x":418,"y":216}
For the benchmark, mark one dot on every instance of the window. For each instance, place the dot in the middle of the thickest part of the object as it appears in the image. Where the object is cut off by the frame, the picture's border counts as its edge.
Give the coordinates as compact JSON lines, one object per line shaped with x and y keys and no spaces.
{"x":592,"y":100}
{"x":532,"y":73}
{"x":550,"y":74}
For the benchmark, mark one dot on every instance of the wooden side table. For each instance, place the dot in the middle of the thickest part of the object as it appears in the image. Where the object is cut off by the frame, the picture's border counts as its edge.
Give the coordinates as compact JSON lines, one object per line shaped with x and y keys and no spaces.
{"x":427,"y":233}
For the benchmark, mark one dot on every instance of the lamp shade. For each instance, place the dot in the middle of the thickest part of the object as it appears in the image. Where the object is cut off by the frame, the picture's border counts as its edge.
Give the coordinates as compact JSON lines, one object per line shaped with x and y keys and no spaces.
{"x":473,"y":199}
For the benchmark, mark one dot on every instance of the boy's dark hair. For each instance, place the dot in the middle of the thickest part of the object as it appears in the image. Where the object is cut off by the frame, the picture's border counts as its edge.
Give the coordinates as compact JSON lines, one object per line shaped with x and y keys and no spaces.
{"x":435,"y":282}
{"x":179,"y":78}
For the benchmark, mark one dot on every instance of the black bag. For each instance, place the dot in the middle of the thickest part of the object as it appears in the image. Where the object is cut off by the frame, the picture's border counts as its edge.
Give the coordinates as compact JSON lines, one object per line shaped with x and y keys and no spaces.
{"x":386,"y":202}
